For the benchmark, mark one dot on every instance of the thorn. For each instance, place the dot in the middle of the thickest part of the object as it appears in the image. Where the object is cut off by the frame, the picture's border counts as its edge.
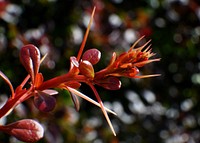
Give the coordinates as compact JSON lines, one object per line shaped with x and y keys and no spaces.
{"x":85,"y":36}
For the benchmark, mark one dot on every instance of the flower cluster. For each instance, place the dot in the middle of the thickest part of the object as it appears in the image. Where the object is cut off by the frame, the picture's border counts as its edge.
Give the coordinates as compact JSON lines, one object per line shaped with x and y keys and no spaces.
{"x":81,"y":71}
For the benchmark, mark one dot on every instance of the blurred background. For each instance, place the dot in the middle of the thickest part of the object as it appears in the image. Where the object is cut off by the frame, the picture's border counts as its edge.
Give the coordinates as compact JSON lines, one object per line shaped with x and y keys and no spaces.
{"x":163,"y":109}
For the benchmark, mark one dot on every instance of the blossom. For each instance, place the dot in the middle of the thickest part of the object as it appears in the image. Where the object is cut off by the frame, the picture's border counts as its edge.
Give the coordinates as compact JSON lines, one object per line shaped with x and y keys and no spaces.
{"x":126,"y":64}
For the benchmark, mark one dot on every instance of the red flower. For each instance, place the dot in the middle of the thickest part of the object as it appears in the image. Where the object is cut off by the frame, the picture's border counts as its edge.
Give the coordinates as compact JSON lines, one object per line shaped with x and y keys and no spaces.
{"x":126,"y":64}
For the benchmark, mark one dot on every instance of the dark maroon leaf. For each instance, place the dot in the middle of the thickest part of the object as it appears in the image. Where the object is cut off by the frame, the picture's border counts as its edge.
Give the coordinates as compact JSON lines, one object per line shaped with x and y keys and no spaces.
{"x":110,"y":83}
{"x":30,"y":58}
{"x":86,"y":69}
{"x":92,"y":55}
{"x":26,"y":130}
{"x":44,"y":102}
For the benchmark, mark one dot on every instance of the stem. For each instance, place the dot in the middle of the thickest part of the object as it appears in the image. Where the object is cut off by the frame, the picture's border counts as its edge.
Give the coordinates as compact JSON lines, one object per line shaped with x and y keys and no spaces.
{"x":56,"y":81}
{"x":4,"y":128}
{"x":13,"y":102}
{"x":105,"y":72}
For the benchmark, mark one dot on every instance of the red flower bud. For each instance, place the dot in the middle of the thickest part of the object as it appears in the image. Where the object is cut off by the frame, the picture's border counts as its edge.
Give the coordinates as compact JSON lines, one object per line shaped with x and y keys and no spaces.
{"x":26,"y":130}
{"x":86,"y":69}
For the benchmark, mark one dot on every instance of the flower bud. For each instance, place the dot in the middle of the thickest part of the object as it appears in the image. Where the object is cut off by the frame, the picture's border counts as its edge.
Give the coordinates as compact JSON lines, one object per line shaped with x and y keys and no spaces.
{"x":26,"y":130}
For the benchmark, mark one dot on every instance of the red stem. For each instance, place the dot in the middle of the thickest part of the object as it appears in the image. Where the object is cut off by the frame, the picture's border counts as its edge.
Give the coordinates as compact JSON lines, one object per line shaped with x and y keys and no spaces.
{"x":12,"y":102}
{"x":56,"y":81}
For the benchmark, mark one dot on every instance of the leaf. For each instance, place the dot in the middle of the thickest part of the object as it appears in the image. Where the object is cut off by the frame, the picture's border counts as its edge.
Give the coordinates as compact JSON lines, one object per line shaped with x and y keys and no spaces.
{"x":92,"y":55}
{"x":86,"y":69}
{"x":30,"y":58}
{"x":110,"y":83}
{"x":44,"y":102}
{"x":75,"y":101}
{"x":26,"y":130}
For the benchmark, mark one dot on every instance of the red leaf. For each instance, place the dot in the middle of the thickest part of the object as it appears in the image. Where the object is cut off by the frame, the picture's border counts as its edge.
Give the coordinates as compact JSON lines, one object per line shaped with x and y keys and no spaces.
{"x":110,"y":83}
{"x":30,"y":58}
{"x":92,"y":55}
{"x":44,"y":102}
{"x":86,"y":69}
{"x":26,"y":130}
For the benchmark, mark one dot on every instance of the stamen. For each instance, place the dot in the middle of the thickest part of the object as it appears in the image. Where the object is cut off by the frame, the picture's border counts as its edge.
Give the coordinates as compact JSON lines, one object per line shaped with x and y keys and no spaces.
{"x":135,"y":43}
{"x":142,"y":47}
{"x":147,"y":49}
{"x":146,"y":62}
